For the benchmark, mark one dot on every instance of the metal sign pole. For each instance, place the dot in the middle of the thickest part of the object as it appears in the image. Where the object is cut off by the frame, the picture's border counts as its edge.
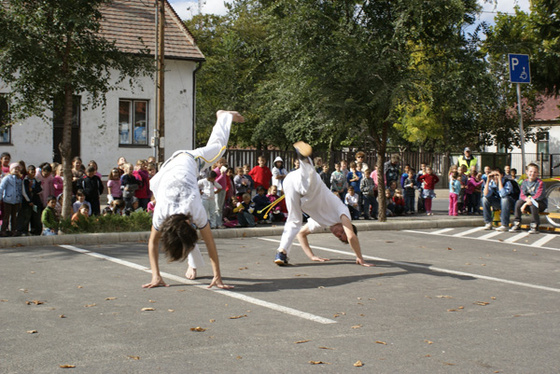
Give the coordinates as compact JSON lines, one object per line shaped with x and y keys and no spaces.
{"x":521,"y":131}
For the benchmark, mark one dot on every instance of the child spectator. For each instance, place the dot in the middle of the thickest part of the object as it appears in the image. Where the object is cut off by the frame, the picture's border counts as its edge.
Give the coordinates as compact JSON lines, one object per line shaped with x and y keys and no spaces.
{"x":360,"y":157}
{"x":58,"y":205}
{"x":151,"y":169}
{"x":246,"y":171}
{"x":81,"y":214}
{"x":326,"y":176}
{"x":31,"y":207}
{"x":120,"y":165}
{"x":142,"y":175}
{"x":369,"y":193}
{"x":344,"y":168}
{"x":118,"y":207}
{"x":44,"y":176}
{"x":409,"y":191}
{"x":454,"y":191}
{"x":114,"y":186}
{"x":420,"y":185}
{"x":5,"y":159}
{"x":22,"y":169}
{"x":513,"y":173}
{"x":220,"y":169}
{"x":129,"y":184}
{"x":208,"y":189}
{"x":93,"y":188}
{"x":338,"y":181}
{"x":136,"y":205}
{"x":277,"y":213}
{"x":296,"y":165}
{"x":398,"y":200}
{"x":531,"y":199}
{"x":352,"y":202}
{"x":390,"y":204}
{"x":318,"y":161}
{"x":241,"y":183}
{"x":261,"y":174}
{"x":392,"y":188}
{"x":354,"y":177}
{"x":430,"y":180}
{"x":404,"y":175}
{"x":261,"y":202}
{"x":80,"y":200}
{"x":57,"y":181}
{"x":77,"y":173}
{"x":11,"y":188}
{"x":94,"y":164}
{"x":151,"y":205}
{"x":278,"y":173}
{"x":463,"y":180}
{"x":49,"y":218}
{"x":245,"y":211}
{"x":230,"y":188}
{"x":472,"y":197}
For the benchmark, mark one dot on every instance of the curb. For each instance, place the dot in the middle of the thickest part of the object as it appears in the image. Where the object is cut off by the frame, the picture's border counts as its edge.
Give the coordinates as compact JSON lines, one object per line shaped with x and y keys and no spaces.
{"x":142,"y":236}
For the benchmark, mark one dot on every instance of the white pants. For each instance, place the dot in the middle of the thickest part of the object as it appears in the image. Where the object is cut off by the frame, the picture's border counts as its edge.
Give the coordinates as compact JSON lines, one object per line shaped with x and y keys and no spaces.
{"x":194,"y":259}
{"x":210,"y":207}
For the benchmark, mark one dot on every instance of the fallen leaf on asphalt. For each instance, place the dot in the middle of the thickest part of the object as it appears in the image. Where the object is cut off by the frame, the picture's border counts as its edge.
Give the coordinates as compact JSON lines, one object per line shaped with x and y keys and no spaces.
{"x":444,"y":297}
{"x":147,"y":309}
{"x":80,"y":287}
{"x":362,"y":315}
{"x":62,"y":316}
{"x":380,"y":342}
{"x":32,"y":331}
{"x":239,"y":357}
{"x":319,"y":363}
{"x":388,"y":241}
{"x":110,"y":298}
{"x":198,"y":329}
{"x":356,"y":326}
{"x":302,"y":341}
{"x":89,"y":305}
{"x":244,"y":268}
{"x":359,"y":298}
{"x":493,"y":297}
{"x":326,"y":348}
{"x":358,"y":364}
{"x":24,"y":290}
{"x":170,"y":310}
{"x":449,"y":248}
{"x":483,"y":303}
{"x":67,"y":366}
{"x":428,"y":341}
{"x":451,"y":310}
{"x":152,"y":301}
{"x":448,"y":363}
{"x":36,"y":302}
{"x":237,"y":317}
{"x":4,"y":300}
{"x":461,"y":307}
{"x":482,"y":264}
{"x":428,"y":356}
{"x":212,"y":320}
{"x":134,"y":357}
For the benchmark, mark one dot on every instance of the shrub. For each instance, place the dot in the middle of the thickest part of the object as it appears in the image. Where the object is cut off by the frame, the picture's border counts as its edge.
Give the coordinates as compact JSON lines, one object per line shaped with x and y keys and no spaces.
{"x":137,"y":221}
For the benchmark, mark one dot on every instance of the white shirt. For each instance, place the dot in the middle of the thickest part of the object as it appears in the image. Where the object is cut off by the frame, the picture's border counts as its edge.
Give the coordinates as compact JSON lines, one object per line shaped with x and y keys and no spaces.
{"x":208,"y":188}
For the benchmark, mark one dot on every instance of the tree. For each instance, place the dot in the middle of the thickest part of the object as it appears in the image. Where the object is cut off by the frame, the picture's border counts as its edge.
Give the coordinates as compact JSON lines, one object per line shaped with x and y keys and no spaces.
{"x":52,"y":48}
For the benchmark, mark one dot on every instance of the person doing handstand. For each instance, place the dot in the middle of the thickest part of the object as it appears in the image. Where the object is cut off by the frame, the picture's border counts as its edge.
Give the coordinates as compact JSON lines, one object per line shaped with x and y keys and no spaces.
{"x":306,"y":192}
{"x":179,"y":210}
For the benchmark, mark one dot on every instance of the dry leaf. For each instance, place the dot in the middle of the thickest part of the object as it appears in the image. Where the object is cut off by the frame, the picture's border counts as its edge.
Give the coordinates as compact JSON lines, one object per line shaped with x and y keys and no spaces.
{"x":32,"y":331}
{"x":62,"y":316}
{"x":451,"y":310}
{"x":444,"y":297}
{"x":362,"y":315}
{"x":428,"y":356}
{"x":356,"y":326}
{"x":302,"y":341}
{"x":212,"y":320}
{"x":388,"y":241}
{"x":170,"y":310}
{"x":319,"y":363}
{"x":237,"y":317}
{"x":89,"y":305}
{"x":326,"y":348}
{"x":493,"y":297}
{"x":147,"y":309}
{"x":36,"y":302}
{"x":134,"y":357}
{"x":380,"y":342}
{"x":198,"y":329}
{"x":461,"y":307}
{"x":428,"y":341}
{"x":244,"y":268}
{"x":151,"y":301}
{"x":80,"y":287}
{"x":483,"y":303}
{"x":358,"y":364}
{"x":67,"y":366}
{"x":3,"y":300}
{"x":24,"y":290}
{"x":239,"y":357}
{"x":449,"y":248}
{"x":110,"y":298}
{"x":448,"y":363}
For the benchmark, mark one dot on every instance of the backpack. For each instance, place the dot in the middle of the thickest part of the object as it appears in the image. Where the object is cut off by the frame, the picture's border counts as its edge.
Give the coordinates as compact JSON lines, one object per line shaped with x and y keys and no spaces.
{"x":515,"y":190}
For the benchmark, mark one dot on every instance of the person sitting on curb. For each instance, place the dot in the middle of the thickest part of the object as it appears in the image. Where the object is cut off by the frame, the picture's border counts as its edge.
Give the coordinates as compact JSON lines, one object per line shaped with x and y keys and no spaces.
{"x":305,"y":191}
{"x":532,"y":199}
{"x":497,"y":194}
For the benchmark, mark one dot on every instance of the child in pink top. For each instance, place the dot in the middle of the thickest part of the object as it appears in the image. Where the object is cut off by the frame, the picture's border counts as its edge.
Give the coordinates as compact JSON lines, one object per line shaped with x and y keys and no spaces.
{"x":58,"y":183}
{"x":114,"y":191}
{"x":44,"y":175}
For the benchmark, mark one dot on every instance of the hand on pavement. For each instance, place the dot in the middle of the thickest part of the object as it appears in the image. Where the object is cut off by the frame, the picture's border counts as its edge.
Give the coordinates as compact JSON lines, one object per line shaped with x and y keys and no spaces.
{"x":360,"y":261}
{"x":217,"y":281}
{"x":156,"y":282}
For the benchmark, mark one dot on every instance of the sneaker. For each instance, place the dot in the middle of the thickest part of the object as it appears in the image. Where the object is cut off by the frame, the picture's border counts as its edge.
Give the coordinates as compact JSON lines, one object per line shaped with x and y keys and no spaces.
{"x":281,"y":259}
{"x":303,"y":148}
{"x":515,"y":227}
{"x":502,"y":229}
{"x":534,"y":229}
{"x":488,"y":226}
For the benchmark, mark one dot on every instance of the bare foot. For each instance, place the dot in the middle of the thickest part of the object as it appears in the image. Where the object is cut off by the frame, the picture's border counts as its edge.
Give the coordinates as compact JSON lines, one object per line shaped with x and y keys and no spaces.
{"x":191,"y":273}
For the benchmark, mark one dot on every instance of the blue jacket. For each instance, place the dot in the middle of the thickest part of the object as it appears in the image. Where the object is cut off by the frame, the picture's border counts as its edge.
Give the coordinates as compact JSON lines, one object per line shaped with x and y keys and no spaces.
{"x":504,"y":192}
{"x":11,"y":189}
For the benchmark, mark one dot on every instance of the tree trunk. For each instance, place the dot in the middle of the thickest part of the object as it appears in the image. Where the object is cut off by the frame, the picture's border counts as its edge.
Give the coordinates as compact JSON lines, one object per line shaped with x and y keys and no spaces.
{"x":65,"y":146}
{"x":381,"y":147}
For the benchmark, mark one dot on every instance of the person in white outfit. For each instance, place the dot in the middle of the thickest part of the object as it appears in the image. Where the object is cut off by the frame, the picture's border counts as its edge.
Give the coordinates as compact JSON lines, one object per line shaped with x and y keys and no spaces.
{"x":179,"y":210}
{"x":305,"y":192}
{"x":279,"y":173}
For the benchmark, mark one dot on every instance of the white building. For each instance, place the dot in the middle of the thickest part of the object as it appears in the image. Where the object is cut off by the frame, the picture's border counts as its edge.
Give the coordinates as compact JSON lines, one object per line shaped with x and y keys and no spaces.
{"x":123,"y":127}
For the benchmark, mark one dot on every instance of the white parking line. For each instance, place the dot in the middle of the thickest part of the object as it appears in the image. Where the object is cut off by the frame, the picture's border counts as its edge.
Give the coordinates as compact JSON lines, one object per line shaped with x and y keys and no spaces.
{"x":490,"y":235}
{"x":515,"y":238}
{"x":432,"y":268}
{"x":229,"y":293}
{"x":542,"y":241}
{"x":443,"y":230}
{"x":492,"y":240}
{"x":469,"y":231}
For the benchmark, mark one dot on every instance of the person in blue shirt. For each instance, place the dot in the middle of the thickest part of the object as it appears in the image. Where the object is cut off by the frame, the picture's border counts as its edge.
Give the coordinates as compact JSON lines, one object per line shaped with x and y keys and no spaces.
{"x":497,"y":194}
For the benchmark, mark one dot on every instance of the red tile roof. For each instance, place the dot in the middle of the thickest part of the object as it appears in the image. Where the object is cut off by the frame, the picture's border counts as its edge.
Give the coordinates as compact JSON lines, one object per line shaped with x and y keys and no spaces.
{"x":131,"y":23}
{"x":549,"y":110}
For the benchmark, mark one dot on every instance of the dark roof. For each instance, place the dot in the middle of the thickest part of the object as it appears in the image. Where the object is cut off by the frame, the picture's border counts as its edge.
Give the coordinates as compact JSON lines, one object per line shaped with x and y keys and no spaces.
{"x":131,"y":23}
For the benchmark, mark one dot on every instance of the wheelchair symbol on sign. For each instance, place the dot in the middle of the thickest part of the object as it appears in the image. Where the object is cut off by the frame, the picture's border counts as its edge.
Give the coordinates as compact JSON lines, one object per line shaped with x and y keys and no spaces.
{"x":523,"y":74}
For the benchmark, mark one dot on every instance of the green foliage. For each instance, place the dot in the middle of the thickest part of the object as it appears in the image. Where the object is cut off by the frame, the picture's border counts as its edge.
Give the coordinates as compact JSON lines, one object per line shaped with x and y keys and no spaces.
{"x":137,"y":221}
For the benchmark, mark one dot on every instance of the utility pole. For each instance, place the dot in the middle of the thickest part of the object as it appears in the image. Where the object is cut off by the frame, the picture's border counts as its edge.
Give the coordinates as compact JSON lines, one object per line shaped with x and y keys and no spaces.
{"x":160,"y":83}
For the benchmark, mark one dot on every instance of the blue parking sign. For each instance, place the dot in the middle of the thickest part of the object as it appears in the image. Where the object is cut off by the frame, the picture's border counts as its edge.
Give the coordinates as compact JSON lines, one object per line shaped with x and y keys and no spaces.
{"x":519,"y":68}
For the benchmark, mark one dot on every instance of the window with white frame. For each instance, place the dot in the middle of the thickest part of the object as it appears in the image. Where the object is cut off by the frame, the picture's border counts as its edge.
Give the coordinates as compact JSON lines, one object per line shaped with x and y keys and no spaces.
{"x":133,"y":122}
{"x":543,"y":142}
{"x":5,"y":129}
